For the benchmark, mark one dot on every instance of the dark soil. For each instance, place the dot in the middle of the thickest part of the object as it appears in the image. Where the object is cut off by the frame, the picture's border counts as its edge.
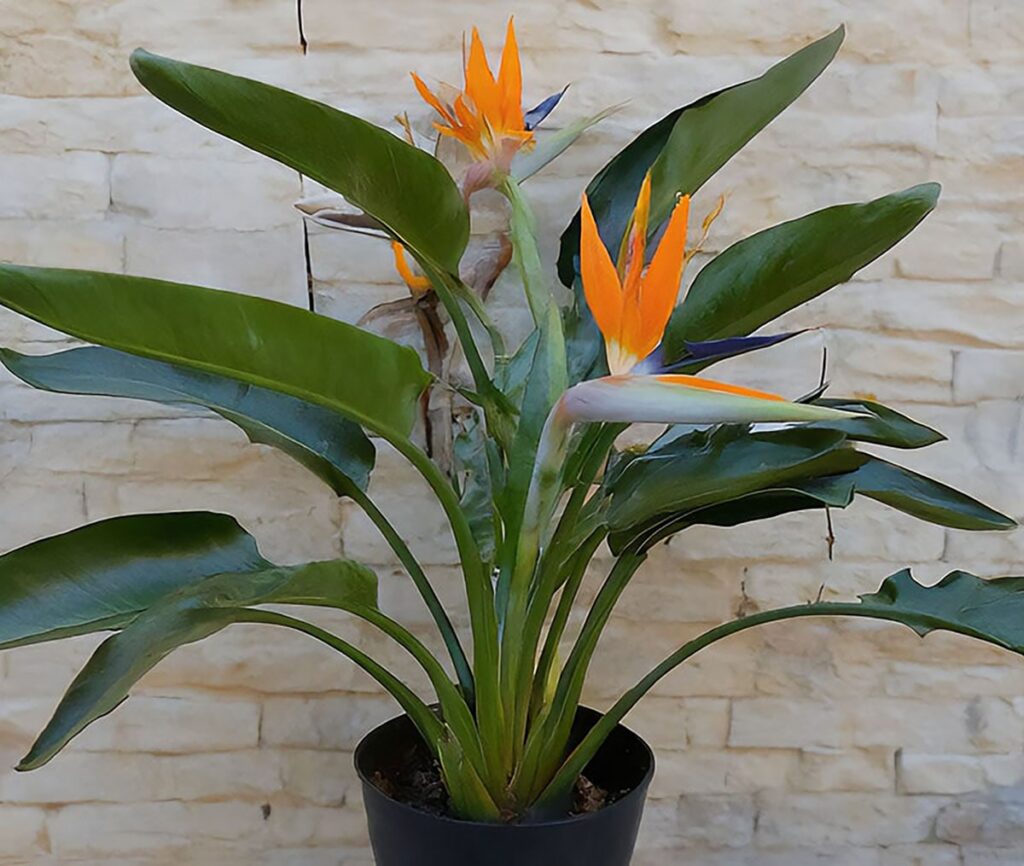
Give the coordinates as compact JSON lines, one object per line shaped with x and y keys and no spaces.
{"x":417,"y":782}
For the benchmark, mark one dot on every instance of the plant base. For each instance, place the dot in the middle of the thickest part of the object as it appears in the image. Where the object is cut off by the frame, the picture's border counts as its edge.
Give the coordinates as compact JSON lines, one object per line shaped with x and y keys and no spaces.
{"x":403,"y":835}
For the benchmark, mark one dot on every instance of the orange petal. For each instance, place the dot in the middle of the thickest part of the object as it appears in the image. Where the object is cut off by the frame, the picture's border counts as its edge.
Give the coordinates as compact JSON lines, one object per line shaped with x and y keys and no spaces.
{"x":417,"y":284}
{"x":481,"y":87}
{"x":660,"y":287}
{"x":713,"y":385}
{"x":601,"y":285}
{"x":510,"y":82}
{"x":428,"y":96}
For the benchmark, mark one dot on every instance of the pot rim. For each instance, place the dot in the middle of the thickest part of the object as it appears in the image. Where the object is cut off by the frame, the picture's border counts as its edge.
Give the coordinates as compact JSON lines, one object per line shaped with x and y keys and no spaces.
{"x":639,"y":789}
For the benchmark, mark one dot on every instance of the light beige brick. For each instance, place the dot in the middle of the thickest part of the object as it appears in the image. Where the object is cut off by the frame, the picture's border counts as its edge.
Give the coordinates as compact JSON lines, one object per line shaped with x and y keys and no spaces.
{"x":673,"y":723}
{"x":845,"y":819}
{"x":73,"y":186}
{"x":337,"y":722}
{"x":63,"y":242}
{"x":22,"y":833}
{"x":780,"y":723}
{"x":196,"y":194}
{"x":267,"y":264}
{"x":728,"y":771}
{"x":845,"y":770}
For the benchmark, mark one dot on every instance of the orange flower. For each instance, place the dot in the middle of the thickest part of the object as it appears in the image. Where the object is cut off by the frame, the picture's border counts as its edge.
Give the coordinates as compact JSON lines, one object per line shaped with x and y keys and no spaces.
{"x":632,"y":305}
{"x":418,"y":284}
{"x":487,"y":115}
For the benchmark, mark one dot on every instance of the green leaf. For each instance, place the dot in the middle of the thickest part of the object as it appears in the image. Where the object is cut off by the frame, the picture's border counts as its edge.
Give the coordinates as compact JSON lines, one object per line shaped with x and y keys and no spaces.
{"x":990,"y":610}
{"x":405,"y":188}
{"x":831,"y":484}
{"x":925,"y":498}
{"x":550,"y":146}
{"x":717,"y":465}
{"x":879,"y":426}
{"x":185,"y":617}
{"x":473,"y":467}
{"x":101,"y":576}
{"x":333,"y":448}
{"x":366,"y":378}
{"x":831,"y":491}
{"x":545,"y":385}
{"x":584,"y":345}
{"x":725,"y":476}
{"x":709,"y":133}
{"x":767,"y":274}
{"x":687,"y":146}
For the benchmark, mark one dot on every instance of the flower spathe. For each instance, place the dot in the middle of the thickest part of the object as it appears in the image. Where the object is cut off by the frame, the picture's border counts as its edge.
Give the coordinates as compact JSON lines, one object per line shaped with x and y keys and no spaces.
{"x":681,"y":399}
{"x":487,"y":114}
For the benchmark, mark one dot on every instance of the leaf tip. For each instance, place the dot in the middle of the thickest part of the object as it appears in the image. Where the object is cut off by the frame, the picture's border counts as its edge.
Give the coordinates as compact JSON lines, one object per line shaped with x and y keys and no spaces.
{"x":33,"y":760}
{"x":928,"y":192}
{"x":1004,"y":523}
{"x":138,"y":59}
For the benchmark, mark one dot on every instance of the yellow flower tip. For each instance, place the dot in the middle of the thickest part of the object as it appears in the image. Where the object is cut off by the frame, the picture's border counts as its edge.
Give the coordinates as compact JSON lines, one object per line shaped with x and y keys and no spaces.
{"x":418,"y":284}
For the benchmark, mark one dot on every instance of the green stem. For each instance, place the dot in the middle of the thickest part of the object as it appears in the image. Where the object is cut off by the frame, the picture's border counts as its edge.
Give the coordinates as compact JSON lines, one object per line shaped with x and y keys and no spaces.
{"x":560,"y":786}
{"x":422,"y":584}
{"x":423,"y":717}
{"x":595,"y":448}
{"x":548,"y":738}
{"x":541,"y":500}
{"x":480,"y":596}
{"x":523,"y":229}
{"x":454,"y":708}
{"x":464,"y":293}
{"x":570,"y":589}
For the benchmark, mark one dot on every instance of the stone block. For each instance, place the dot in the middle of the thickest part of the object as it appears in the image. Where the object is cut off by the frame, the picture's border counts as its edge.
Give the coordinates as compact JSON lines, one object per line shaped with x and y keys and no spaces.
{"x":265,"y":263}
{"x":72,"y":186}
{"x":188,"y":193}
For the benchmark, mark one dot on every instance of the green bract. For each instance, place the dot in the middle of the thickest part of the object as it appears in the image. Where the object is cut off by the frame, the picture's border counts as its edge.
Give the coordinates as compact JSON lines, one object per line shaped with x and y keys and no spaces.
{"x":520,"y":453}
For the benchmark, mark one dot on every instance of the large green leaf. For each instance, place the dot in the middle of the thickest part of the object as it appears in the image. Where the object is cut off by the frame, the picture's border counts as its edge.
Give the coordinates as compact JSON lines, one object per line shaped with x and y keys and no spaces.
{"x":101,"y":576}
{"x":829,"y":484}
{"x":990,"y":610}
{"x":185,"y":617}
{"x":687,"y":146}
{"x":925,"y":498}
{"x":769,"y":273}
{"x":333,"y":448}
{"x":721,"y":464}
{"x":405,"y":188}
{"x":366,"y":378}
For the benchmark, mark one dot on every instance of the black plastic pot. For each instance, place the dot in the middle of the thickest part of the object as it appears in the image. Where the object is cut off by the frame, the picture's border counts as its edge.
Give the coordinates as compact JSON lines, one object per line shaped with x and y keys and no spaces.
{"x":403,"y":835}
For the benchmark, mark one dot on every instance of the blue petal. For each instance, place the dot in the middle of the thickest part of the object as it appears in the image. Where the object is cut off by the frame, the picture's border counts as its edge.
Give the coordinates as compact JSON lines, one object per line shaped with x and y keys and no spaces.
{"x":536,"y":115}
{"x":717,"y":350}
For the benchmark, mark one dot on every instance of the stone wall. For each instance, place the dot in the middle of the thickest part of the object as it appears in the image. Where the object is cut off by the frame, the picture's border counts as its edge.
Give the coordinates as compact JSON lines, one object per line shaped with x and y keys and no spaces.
{"x":808,"y":743}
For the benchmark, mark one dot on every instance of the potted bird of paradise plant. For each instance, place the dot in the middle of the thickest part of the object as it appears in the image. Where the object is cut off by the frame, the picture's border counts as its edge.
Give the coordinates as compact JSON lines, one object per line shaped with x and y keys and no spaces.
{"x":500,"y":764}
